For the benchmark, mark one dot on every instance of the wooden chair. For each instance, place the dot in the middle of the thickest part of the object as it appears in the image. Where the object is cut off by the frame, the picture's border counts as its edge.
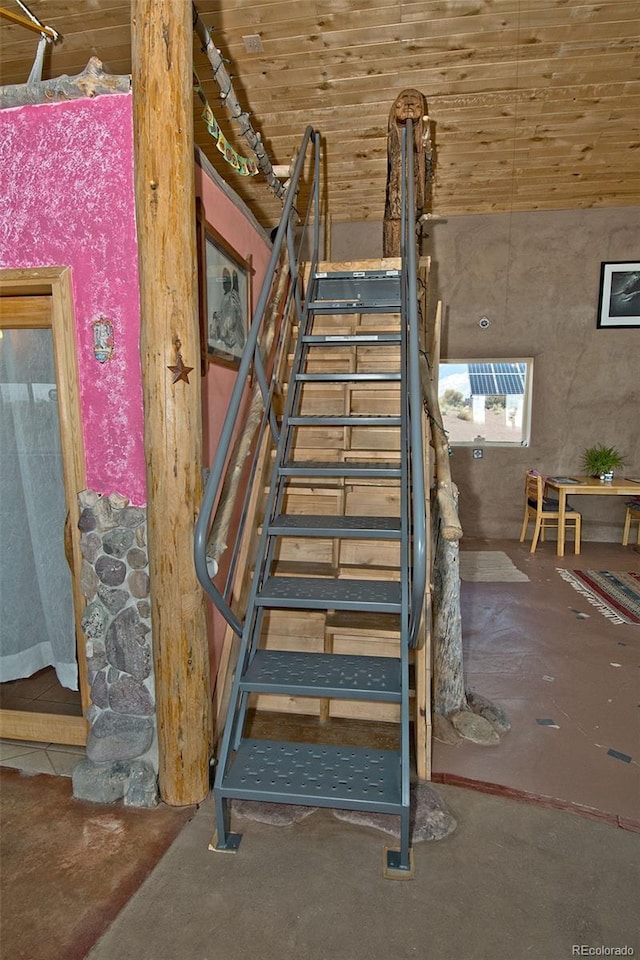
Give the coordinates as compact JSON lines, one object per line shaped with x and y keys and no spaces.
{"x":632,"y":516}
{"x":544,"y":512}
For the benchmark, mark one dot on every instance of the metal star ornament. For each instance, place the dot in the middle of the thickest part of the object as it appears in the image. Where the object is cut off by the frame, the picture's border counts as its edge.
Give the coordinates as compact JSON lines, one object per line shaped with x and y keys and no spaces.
{"x":180,"y":371}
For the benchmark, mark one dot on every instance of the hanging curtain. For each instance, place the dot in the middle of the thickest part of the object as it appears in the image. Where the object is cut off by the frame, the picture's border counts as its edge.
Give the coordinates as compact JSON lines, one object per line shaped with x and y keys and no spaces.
{"x":36,"y":605}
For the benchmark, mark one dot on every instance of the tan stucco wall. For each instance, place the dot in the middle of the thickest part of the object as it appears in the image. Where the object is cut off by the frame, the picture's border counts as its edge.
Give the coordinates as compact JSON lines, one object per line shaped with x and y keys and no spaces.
{"x":536,"y":277}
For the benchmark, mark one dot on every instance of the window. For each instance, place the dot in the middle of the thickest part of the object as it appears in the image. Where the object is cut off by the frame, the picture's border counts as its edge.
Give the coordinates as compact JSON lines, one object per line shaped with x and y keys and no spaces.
{"x":486,"y":401}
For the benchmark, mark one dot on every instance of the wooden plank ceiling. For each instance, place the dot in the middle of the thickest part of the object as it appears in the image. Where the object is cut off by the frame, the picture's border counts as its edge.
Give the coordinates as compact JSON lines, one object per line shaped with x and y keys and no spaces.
{"x":535,"y":104}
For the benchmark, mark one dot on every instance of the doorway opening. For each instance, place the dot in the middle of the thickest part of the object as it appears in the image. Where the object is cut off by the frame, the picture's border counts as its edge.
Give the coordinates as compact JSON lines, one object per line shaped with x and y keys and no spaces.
{"x":42,"y":654}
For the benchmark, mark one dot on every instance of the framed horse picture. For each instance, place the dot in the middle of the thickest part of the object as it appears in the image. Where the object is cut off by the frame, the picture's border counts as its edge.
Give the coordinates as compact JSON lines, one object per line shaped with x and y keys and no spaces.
{"x":619,"y":304}
{"x":224,"y":279}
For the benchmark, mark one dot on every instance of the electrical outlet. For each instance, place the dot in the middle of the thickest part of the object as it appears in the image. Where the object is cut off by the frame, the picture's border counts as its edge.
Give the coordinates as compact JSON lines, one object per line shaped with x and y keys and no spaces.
{"x":478,"y":453}
{"x":253,"y":43}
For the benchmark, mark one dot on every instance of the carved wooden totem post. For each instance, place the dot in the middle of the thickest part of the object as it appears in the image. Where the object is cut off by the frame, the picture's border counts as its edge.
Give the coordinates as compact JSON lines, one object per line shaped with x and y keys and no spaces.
{"x":409,"y":105}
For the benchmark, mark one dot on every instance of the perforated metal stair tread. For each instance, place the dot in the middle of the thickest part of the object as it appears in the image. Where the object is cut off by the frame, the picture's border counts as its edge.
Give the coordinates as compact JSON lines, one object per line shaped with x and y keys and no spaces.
{"x":311,"y":593}
{"x":352,"y":420}
{"x":354,"y":778}
{"x":385,"y":304}
{"x":356,"y":291}
{"x":362,"y":468}
{"x":374,"y":273}
{"x":371,"y":377}
{"x":340,"y":271}
{"x":351,"y":339}
{"x":320,"y":525}
{"x":324,"y":675}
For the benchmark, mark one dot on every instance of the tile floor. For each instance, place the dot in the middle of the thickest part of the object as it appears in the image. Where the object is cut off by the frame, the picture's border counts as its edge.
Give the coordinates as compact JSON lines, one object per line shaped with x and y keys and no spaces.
{"x":53,"y":758}
{"x":567,"y":677}
{"x":40,"y":693}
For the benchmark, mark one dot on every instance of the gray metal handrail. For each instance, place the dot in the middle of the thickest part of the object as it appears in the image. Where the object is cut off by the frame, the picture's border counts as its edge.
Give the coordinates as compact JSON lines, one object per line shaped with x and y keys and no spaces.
{"x":415,"y":461}
{"x":415,"y":407}
{"x":251,"y":355}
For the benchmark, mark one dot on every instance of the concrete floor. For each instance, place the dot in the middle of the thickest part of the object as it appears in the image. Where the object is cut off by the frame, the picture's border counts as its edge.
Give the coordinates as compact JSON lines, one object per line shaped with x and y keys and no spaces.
{"x":567,"y":677}
{"x":513,"y":882}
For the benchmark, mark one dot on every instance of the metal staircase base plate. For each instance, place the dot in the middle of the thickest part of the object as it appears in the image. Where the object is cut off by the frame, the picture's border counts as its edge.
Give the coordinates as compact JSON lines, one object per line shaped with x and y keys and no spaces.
{"x":393,"y":869}
{"x":231,"y":846}
{"x":319,"y":775}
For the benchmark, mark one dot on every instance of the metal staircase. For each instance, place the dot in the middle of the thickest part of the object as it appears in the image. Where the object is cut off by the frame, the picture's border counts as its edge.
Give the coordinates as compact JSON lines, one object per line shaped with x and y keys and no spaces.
{"x":326,"y":775}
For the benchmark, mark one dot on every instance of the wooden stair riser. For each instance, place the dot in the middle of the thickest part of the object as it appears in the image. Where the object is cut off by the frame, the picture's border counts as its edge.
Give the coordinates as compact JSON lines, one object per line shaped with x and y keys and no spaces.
{"x":363,"y":559}
{"x":342,"y":558}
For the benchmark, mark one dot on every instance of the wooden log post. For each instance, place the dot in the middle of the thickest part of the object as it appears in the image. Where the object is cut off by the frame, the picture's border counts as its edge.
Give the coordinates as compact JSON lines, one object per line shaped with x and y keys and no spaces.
{"x":162,"y":57}
{"x":446,"y":495}
{"x":456,"y":714}
{"x":448,"y":672}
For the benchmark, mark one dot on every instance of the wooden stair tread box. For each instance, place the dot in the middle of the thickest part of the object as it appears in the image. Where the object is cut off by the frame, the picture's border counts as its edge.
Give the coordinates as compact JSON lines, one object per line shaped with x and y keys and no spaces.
{"x":364,"y":624}
{"x":304,"y":568}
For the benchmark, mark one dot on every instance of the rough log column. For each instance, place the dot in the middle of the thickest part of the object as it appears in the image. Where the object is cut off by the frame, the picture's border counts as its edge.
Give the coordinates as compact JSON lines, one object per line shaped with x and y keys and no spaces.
{"x":162,"y":46}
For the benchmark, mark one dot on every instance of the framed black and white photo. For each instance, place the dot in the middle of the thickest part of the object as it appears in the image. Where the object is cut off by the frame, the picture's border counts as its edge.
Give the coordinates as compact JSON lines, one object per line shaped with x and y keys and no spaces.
{"x":619,"y":304}
{"x":224,"y":295}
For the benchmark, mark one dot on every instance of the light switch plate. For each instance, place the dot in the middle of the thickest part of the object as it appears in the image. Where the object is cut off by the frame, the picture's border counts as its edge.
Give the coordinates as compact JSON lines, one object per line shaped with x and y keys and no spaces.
{"x":253,"y":43}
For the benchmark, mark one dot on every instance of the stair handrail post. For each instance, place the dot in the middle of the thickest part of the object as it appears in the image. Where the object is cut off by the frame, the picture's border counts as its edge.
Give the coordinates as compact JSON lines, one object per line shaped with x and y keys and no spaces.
{"x":316,"y":207}
{"x":249,"y":354}
{"x":418,"y":510}
{"x":314,"y":201}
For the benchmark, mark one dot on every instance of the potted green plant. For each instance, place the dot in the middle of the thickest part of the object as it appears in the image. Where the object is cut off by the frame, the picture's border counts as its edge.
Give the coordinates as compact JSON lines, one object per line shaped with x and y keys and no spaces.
{"x":601,"y":461}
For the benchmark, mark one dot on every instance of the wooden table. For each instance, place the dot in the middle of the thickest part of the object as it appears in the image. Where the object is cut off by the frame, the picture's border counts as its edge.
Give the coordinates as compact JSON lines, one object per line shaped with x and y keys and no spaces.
{"x":586,"y":486}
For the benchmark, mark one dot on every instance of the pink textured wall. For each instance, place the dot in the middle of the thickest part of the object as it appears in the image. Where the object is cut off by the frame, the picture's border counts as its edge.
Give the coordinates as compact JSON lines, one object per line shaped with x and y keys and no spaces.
{"x":67,"y":198}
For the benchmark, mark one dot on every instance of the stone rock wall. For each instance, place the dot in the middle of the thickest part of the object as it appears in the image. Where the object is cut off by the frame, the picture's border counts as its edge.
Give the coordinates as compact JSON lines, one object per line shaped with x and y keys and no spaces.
{"x":121,"y":758}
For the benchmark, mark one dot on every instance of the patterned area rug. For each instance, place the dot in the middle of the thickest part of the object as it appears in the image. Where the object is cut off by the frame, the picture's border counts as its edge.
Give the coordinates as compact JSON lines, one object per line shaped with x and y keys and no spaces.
{"x":615,"y":595}
{"x":489,"y":566}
